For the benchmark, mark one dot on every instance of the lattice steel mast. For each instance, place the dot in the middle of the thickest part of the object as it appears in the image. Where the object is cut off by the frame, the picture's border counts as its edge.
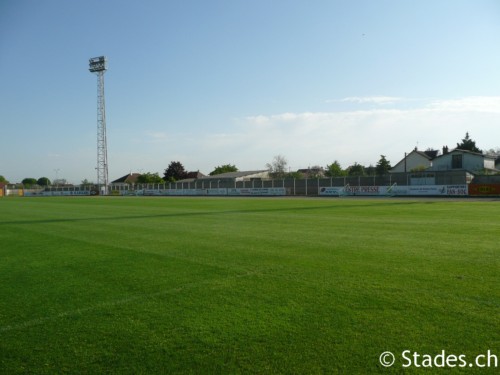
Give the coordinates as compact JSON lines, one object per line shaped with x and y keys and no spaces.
{"x":98,"y":65}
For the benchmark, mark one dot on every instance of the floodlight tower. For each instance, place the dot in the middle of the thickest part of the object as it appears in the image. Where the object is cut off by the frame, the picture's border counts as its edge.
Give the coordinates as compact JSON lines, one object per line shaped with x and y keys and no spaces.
{"x":99,"y":65}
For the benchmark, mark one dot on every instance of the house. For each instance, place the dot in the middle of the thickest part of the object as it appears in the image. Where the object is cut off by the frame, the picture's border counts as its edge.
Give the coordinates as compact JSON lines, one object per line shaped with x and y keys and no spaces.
{"x":195,"y":175}
{"x":415,"y":160}
{"x":130,"y":178}
{"x":464,"y":160}
{"x":314,"y":172}
{"x":238,"y":176}
{"x":229,"y":177}
{"x":192,"y":177}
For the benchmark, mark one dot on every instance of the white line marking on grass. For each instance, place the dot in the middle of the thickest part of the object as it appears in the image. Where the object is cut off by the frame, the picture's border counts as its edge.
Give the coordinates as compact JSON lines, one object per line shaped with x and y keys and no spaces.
{"x":109,"y":304}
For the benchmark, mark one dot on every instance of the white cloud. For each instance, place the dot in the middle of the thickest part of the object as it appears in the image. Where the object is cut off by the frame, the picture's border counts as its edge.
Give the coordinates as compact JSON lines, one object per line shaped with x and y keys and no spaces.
{"x":155,"y":137}
{"x":379,"y":100}
{"x":489,"y":104}
{"x":309,"y":138}
{"x":319,"y":138}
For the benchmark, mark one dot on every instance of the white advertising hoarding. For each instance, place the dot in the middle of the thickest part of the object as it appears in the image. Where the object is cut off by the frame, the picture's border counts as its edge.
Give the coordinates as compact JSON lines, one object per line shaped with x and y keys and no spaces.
{"x":257,"y":191}
{"x":436,"y":190}
{"x":335,"y":191}
{"x":354,"y":190}
{"x":163,"y":192}
{"x":439,"y":190}
{"x":56,"y":193}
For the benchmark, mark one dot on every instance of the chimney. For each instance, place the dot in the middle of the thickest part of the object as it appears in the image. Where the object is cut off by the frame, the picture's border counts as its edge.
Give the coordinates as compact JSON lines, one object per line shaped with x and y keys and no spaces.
{"x":445,"y":150}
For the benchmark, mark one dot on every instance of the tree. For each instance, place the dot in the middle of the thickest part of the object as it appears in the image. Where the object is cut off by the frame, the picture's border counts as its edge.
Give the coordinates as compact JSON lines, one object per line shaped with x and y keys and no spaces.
{"x":174,"y":172}
{"x":59,"y":181}
{"x":86,"y":182}
{"x":3,"y":180}
{"x":224,"y":169}
{"x":334,"y":170}
{"x":295,"y":175}
{"x":277,"y":168}
{"x":468,"y":144}
{"x":29,"y":182}
{"x":383,"y":166}
{"x":356,"y":170}
{"x":370,"y":170}
{"x":149,"y":178}
{"x":491,"y":151}
{"x":43,"y":181}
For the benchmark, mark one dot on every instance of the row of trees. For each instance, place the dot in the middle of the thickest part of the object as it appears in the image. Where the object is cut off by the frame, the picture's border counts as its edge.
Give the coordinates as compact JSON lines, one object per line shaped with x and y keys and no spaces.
{"x":29,"y":181}
{"x":176,"y":171}
{"x":278,"y":168}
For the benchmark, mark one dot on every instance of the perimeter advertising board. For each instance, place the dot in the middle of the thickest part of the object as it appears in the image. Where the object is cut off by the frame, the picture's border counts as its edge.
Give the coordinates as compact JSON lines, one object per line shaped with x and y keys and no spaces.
{"x":170,"y":192}
{"x":432,"y":190}
{"x":484,"y":189}
{"x":354,"y":190}
{"x":366,"y":190}
{"x":257,"y":191}
{"x":335,"y":191}
{"x":219,"y":191}
{"x":57,"y":193}
{"x":419,"y":190}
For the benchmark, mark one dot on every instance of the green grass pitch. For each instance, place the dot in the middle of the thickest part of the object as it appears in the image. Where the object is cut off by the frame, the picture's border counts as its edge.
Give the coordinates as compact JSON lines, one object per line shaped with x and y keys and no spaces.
{"x":244,"y":285}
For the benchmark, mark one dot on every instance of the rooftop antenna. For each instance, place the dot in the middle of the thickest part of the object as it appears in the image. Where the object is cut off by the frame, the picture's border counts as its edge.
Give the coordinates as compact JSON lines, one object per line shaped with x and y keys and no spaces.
{"x":98,"y":65}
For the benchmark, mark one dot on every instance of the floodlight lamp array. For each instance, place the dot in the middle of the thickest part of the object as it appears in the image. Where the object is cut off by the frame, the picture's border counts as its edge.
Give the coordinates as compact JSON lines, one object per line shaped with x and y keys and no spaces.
{"x":98,"y":64}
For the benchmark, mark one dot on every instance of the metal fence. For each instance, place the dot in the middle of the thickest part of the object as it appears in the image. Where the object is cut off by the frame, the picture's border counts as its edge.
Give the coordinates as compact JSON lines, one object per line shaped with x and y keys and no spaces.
{"x":299,"y":187}
{"x":308,"y":187}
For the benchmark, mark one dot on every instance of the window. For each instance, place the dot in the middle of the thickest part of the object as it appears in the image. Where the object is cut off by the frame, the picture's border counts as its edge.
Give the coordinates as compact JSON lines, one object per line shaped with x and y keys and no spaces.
{"x":456,"y":161}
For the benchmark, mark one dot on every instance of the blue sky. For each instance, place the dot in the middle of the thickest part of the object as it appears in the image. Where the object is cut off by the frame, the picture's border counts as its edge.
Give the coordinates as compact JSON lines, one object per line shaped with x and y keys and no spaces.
{"x":208,"y":83}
